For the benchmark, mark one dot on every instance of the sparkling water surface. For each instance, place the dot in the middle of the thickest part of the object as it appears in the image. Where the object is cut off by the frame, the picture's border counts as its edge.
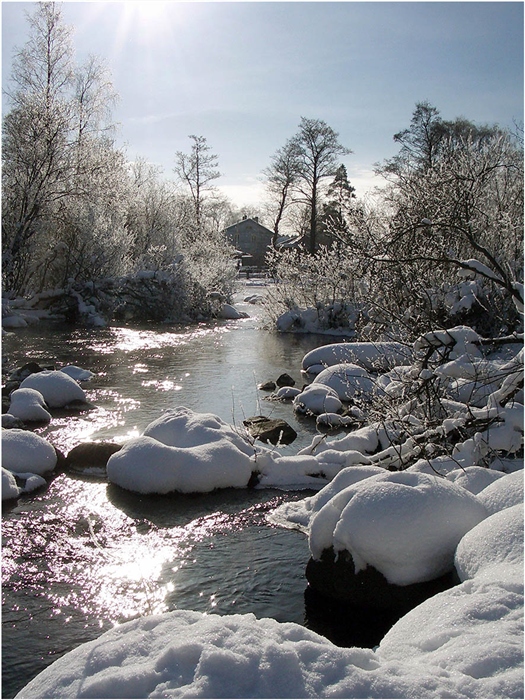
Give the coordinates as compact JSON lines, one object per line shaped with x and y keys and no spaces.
{"x":83,"y":556}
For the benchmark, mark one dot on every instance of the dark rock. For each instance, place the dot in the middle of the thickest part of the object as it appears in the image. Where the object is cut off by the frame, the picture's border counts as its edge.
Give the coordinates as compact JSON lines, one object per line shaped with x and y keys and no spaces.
{"x":276,"y":431}
{"x":29,"y":368}
{"x":61,"y":464}
{"x":90,"y":456}
{"x":335,"y":578}
{"x":267,"y":386}
{"x":285,"y":380}
{"x":344,"y":624}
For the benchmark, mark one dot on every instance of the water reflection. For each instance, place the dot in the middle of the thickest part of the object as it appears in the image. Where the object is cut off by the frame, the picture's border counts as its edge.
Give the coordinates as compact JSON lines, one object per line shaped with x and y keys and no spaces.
{"x":83,"y":556}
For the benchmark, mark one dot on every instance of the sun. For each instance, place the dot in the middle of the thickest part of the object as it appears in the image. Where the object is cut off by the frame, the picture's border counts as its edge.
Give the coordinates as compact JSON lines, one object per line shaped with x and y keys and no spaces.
{"x":148,"y":21}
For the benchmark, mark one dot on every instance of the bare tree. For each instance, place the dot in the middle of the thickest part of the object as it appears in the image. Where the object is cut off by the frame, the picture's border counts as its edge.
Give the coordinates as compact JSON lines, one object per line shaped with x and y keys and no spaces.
{"x":197,"y":170}
{"x":298,"y":169}
{"x":318,"y":148}
{"x":281,"y":177}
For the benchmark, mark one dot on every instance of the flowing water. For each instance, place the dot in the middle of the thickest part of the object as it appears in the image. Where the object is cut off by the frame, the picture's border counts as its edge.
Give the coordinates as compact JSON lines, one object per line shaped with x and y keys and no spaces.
{"x":83,"y":555}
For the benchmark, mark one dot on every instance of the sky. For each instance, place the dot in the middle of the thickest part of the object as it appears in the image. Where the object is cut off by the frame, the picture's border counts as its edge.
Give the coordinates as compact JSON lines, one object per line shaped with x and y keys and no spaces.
{"x":242,"y":74}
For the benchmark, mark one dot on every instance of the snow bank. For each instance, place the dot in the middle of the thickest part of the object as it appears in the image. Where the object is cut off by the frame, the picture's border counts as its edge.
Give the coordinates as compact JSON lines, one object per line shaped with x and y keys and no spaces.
{"x":23,"y":451}
{"x":57,"y":388}
{"x":374,"y":357}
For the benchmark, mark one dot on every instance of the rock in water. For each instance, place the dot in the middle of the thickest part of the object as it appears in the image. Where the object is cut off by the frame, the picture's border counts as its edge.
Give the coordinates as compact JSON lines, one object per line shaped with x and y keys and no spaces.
{"x":276,"y":431}
{"x":285,"y":380}
{"x":90,"y":456}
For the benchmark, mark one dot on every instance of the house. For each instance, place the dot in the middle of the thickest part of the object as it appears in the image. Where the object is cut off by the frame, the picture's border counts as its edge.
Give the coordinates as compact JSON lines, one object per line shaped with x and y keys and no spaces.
{"x":251,"y":240}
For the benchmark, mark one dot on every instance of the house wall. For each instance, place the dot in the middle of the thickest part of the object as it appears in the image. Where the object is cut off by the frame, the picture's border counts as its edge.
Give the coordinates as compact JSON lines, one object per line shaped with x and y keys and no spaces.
{"x":252,"y":238}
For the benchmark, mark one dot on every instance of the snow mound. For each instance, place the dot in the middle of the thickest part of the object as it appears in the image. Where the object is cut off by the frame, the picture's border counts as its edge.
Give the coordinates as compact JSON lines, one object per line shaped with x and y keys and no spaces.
{"x":495,"y":542}
{"x":57,"y":388}
{"x":23,"y":451}
{"x":316,"y":399}
{"x":348,"y":380}
{"x":374,"y":357}
{"x":29,"y":406}
{"x":503,"y":493}
{"x":405,"y":524}
{"x":186,"y":452}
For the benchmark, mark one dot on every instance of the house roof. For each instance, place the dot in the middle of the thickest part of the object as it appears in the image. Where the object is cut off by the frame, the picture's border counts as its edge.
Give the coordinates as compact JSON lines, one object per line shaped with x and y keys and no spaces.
{"x":243,"y":222}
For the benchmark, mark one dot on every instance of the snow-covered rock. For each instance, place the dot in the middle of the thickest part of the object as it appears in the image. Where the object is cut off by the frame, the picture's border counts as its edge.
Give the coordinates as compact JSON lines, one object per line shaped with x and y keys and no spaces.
{"x":29,"y":406}
{"x":503,"y":493}
{"x":474,"y":478}
{"x":406,"y":525}
{"x":334,"y":420}
{"x":77,"y":373}
{"x":227,"y":311}
{"x":317,"y":399}
{"x":186,"y":452}
{"x":347,"y":379}
{"x":15,"y":321}
{"x":24,"y":451}
{"x":286,"y":393}
{"x":457,"y":341}
{"x":494,"y":543}
{"x":374,"y":357}
{"x":10,"y":488}
{"x":57,"y":388}
{"x":145,"y":465}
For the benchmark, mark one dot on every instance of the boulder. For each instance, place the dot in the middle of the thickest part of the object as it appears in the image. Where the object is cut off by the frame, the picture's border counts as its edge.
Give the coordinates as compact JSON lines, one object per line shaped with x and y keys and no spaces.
{"x":265,"y":429}
{"x":285,"y":380}
{"x":334,"y":577}
{"x":267,"y":386}
{"x":90,"y":456}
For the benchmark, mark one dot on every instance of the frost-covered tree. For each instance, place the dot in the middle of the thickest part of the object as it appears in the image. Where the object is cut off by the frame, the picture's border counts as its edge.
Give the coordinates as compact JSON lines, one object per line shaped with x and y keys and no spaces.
{"x":466,"y":204}
{"x":60,"y":169}
{"x":281,"y":177}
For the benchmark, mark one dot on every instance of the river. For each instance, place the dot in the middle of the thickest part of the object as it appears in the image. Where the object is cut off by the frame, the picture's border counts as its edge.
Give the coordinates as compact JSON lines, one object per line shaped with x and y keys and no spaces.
{"x":83,"y":556}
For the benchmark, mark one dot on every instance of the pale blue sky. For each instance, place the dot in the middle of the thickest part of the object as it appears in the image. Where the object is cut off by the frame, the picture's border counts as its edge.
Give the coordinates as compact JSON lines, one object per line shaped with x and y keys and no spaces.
{"x":242,"y":74}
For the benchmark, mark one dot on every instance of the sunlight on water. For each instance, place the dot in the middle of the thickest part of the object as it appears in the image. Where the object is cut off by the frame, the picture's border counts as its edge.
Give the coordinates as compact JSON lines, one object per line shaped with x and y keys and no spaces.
{"x":163,"y":385}
{"x":130,"y":339}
